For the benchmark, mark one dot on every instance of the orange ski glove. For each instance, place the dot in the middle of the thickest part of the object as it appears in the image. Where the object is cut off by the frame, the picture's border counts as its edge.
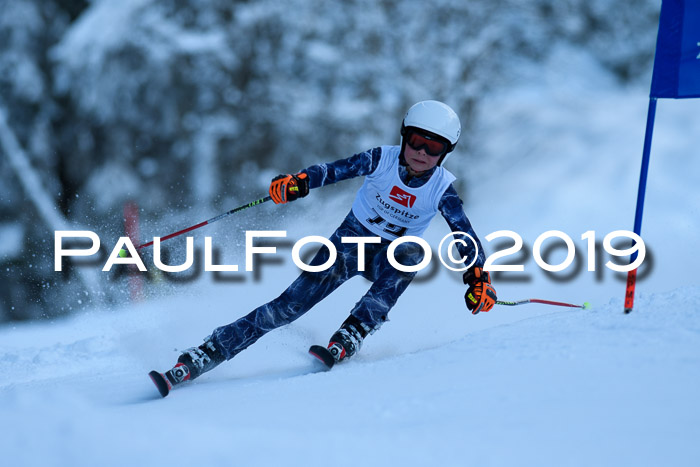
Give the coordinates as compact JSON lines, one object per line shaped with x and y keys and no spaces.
{"x":481,"y":296}
{"x":285,"y":188}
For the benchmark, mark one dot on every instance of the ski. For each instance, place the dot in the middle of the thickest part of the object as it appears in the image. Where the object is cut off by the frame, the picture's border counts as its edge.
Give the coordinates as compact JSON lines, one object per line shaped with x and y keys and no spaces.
{"x":166,"y":381}
{"x":161,"y":382}
{"x":323,"y":354}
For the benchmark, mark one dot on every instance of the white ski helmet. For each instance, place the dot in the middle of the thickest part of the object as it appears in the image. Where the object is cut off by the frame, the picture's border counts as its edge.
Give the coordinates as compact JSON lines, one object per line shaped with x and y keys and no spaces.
{"x":434,"y":117}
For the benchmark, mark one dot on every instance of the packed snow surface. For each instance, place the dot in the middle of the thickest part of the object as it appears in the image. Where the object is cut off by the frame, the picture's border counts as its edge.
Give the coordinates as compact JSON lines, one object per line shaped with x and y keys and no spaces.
{"x":557,"y":387}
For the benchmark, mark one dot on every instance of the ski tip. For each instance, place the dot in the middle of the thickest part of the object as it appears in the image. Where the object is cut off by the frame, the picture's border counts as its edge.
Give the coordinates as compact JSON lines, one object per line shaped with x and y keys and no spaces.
{"x":160,"y":382}
{"x":586,"y":305}
{"x":322,"y":354}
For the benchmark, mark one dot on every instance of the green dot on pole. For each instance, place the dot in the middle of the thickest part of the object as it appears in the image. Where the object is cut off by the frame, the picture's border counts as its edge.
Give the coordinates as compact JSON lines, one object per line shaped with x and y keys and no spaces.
{"x":586,"y":305}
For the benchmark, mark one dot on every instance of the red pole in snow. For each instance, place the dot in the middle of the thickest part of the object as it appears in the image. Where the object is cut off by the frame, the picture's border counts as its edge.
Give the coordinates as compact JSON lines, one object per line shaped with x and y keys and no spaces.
{"x":131,"y":229}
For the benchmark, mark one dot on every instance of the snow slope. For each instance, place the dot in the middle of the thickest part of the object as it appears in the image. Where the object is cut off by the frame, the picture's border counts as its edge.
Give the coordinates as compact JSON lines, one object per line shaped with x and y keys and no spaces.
{"x":563,"y":388}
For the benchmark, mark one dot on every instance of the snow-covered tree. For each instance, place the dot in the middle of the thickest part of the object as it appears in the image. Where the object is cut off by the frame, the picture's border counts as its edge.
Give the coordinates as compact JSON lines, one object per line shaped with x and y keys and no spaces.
{"x":171,"y":101}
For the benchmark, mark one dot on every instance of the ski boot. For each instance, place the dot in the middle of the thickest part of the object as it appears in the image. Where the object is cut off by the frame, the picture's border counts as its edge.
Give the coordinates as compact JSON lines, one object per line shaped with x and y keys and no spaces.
{"x":190,"y":365}
{"x":344,"y":343}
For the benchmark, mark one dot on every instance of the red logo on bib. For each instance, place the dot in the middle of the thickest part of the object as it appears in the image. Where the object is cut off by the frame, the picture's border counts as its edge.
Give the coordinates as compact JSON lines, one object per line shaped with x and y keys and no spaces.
{"x":402,"y":197}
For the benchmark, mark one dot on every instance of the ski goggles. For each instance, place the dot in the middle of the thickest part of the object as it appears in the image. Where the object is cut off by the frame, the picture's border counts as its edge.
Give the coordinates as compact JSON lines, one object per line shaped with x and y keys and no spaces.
{"x":434,"y":146}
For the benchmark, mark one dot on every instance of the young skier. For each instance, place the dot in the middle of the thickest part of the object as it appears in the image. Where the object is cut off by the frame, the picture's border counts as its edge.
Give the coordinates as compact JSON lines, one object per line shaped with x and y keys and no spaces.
{"x":404,"y":188}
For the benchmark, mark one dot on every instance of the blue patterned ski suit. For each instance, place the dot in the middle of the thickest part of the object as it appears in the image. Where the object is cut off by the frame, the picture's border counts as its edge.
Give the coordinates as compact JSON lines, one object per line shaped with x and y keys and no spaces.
{"x":310,"y":288}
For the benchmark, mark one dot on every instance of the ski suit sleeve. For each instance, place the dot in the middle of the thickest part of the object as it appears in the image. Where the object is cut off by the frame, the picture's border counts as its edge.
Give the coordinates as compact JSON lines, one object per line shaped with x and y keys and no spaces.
{"x":363,"y":163}
{"x":450,"y":207}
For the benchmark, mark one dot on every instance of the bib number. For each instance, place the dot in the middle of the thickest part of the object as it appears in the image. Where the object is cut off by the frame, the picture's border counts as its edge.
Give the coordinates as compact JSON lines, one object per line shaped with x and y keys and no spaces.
{"x":391,"y":229}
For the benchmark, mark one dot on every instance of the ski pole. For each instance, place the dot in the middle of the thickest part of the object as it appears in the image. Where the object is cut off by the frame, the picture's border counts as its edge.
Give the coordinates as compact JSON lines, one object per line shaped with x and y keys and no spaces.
{"x":585,"y":306}
{"x":207,"y":222}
